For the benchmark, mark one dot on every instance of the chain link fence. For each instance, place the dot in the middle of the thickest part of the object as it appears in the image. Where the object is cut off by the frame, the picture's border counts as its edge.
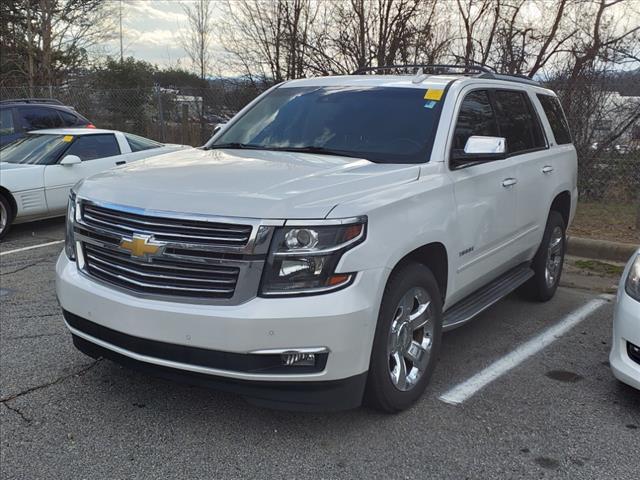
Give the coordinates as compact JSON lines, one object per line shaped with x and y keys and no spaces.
{"x":609,"y":170}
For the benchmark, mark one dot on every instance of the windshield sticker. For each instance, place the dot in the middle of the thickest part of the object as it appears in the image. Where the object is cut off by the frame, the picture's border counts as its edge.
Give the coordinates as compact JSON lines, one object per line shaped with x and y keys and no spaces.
{"x":433,"y":94}
{"x":430,"y":104}
{"x":67,"y":138}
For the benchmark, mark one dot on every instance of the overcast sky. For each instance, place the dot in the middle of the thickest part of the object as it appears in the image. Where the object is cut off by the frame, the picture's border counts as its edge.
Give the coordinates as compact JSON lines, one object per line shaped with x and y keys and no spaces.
{"x":152,"y":32}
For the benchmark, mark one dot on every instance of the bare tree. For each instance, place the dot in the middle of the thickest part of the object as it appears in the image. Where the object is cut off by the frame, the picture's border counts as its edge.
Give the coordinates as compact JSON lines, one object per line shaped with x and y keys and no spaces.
{"x":475,"y":17}
{"x":268,"y":39}
{"x":45,"y":40}
{"x":197,"y":38}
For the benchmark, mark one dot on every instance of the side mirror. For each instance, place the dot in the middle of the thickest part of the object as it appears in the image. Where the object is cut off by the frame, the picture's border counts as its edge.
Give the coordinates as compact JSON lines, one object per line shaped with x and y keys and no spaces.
{"x":70,"y":160}
{"x":218,"y":127}
{"x":482,"y":149}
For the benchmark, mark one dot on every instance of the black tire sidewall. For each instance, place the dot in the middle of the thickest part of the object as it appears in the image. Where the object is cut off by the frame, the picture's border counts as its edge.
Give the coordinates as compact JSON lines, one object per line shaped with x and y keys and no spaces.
{"x":542,"y":291}
{"x":380,"y":392}
{"x":9,"y":210}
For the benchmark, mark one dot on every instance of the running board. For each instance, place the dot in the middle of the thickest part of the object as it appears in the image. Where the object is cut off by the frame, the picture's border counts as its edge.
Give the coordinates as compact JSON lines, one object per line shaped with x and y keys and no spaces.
{"x":483,"y":298}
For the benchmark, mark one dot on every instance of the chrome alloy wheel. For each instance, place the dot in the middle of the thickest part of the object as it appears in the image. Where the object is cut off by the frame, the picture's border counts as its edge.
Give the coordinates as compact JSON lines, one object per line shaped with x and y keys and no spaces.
{"x":410,"y":339}
{"x":554,"y":257}
{"x":4,"y":217}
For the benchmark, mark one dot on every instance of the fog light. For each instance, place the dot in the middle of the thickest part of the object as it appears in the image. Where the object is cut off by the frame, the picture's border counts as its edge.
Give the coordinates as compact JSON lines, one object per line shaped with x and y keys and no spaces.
{"x":298,"y":359}
{"x":634,"y":352}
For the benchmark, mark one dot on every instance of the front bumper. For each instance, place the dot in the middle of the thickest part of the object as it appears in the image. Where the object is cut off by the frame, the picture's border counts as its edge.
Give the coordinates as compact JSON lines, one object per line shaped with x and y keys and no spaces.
{"x":343,"y":322}
{"x":626,"y":329}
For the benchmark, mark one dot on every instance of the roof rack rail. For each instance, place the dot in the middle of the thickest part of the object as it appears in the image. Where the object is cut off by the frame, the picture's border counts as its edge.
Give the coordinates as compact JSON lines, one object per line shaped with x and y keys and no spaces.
{"x":480,"y":71}
{"x":51,"y":101}
{"x":513,"y":77}
{"x":470,"y":69}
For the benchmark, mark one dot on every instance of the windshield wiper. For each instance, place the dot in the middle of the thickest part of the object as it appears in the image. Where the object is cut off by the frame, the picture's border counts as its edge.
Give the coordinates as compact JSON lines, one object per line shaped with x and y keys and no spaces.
{"x":315,"y":149}
{"x":237,"y":145}
{"x":305,"y":149}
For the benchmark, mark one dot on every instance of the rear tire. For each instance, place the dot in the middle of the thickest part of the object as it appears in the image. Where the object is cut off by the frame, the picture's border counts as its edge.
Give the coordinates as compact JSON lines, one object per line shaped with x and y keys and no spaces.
{"x":549,"y":260}
{"x":6,"y":216}
{"x":407,"y":340}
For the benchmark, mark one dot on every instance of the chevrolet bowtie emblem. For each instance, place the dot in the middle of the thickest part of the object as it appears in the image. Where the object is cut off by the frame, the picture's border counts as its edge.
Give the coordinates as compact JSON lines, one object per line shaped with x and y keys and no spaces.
{"x":141,"y":245}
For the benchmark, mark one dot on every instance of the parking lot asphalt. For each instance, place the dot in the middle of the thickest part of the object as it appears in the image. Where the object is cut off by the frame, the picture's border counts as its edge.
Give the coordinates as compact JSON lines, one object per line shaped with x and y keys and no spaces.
{"x":558,"y":414}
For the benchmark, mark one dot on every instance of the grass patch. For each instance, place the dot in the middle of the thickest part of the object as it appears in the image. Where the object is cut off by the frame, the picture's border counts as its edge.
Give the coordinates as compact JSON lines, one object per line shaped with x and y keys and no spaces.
{"x":601,"y":268}
{"x":606,"y":221}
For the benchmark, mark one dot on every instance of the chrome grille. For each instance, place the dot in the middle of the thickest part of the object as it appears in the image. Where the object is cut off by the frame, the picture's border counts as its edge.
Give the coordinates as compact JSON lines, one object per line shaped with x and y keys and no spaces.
{"x":166,"y":229}
{"x":199,"y":260}
{"x":164,"y":277}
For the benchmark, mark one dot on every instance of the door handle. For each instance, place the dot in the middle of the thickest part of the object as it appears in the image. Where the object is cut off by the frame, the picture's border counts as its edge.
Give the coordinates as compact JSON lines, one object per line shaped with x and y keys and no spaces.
{"x":547,"y":169}
{"x":509,"y":182}
{"x":121,"y":162}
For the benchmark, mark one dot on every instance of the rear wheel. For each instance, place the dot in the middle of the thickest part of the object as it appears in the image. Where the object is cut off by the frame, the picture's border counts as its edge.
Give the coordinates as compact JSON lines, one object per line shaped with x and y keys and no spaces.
{"x":549,"y":260}
{"x":407,"y":340}
{"x":6,"y":216}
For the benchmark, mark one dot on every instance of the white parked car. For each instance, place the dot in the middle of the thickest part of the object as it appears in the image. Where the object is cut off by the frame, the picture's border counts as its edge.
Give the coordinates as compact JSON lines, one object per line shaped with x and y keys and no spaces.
{"x":625,"y":347}
{"x":312,"y":253}
{"x":37,"y":171}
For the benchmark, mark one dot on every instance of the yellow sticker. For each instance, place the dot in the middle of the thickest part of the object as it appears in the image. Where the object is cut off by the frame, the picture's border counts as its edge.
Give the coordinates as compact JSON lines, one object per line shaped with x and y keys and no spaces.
{"x":433,"y":94}
{"x":67,"y":138}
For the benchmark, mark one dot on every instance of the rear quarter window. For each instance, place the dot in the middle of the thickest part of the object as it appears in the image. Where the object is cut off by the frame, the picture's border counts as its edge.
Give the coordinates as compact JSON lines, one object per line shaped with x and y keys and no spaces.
{"x":139,"y":144}
{"x":69,"y":119}
{"x":557,"y":120}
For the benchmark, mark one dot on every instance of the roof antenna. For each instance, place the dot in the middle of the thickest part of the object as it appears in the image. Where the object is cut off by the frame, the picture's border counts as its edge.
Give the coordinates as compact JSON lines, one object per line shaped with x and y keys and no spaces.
{"x":420,"y":76}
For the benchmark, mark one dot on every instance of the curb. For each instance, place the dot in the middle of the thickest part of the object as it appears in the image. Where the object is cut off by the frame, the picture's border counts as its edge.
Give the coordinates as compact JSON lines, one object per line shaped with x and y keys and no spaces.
{"x":600,"y":249}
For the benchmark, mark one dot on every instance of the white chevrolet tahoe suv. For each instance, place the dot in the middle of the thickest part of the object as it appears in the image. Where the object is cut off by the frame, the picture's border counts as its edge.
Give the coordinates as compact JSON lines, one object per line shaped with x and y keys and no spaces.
{"x":311,"y":254}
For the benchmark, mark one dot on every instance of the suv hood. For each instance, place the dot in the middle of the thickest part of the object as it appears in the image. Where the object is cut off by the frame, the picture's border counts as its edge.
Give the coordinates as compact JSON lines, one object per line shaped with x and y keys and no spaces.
{"x":244,"y":183}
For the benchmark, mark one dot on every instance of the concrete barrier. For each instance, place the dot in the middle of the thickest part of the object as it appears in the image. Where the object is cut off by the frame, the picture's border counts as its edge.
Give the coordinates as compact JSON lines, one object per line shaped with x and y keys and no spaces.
{"x":600,"y":249}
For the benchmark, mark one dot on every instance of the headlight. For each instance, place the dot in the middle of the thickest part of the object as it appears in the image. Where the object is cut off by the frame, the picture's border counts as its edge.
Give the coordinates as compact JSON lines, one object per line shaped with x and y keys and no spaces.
{"x":69,"y":238}
{"x":632,"y":285}
{"x":303,"y":259}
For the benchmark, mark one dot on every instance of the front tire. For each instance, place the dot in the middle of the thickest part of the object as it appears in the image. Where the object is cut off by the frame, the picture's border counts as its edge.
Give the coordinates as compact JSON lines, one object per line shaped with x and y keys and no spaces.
{"x":6,"y":216}
{"x":549,"y":260}
{"x":407,"y":340}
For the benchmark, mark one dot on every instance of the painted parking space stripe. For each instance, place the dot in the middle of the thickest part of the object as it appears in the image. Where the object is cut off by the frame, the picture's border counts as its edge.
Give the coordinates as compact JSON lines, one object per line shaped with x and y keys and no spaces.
{"x":468,"y":388}
{"x":24,"y":249}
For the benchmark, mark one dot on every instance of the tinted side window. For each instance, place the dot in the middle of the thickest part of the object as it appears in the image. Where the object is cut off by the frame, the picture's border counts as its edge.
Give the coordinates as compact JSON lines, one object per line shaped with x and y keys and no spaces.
{"x":557,"y":120}
{"x":68,"y":119}
{"x":138,"y":144}
{"x":476,"y":117}
{"x":6,"y":121}
{"x":36,"y":118}
{"x":517,"y":121}
{"x":88,"y":147}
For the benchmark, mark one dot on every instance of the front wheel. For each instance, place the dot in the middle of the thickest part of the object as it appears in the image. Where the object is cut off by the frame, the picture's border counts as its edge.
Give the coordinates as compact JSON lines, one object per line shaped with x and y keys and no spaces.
{"x":5,"y":216}
{"x":549,"y":260}
{"x":407,"y":341}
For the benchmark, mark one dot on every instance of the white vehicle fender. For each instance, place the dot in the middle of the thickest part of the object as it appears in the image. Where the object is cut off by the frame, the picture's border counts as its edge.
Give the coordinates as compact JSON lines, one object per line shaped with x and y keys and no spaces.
{"x":402,"y":219}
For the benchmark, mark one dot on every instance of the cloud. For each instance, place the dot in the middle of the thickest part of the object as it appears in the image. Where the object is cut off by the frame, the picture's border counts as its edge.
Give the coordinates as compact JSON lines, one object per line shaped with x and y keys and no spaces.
{"x":155,"y":10}
{"x":156,"y":36}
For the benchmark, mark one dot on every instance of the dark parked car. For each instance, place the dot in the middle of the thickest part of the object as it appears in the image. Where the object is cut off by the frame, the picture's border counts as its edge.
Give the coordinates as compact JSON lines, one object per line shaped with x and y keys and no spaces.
{"x":19,"y":116}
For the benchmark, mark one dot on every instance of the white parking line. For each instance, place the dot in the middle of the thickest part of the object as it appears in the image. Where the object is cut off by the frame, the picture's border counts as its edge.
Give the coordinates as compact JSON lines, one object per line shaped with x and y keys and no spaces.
{"x":468,"y":388}
{"x":23,"y":249}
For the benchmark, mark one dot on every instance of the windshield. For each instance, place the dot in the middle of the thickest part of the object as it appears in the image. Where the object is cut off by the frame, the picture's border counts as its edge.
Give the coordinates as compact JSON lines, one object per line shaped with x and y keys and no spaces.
{"x":381,"y":124}
{"x":35,"y":149}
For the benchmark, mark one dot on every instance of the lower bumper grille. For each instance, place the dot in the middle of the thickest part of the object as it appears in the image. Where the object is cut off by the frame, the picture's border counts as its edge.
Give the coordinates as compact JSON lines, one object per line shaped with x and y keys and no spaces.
{"x":231,"y":361}
{"x":165,"y":276}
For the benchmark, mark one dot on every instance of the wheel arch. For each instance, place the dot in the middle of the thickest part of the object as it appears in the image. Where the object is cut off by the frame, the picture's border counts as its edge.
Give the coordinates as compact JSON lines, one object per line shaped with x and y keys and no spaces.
{"x":433,"y":256}
{"x":562,"y":204}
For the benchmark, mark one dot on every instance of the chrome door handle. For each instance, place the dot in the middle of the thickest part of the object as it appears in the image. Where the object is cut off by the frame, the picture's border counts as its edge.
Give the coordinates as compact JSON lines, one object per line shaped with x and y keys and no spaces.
{"x":509,"y":182}
{"x":547,"y":169}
